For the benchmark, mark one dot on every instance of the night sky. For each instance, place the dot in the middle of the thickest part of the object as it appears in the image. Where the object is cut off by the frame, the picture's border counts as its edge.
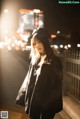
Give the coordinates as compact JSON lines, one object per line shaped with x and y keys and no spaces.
{"x":63,"y":17}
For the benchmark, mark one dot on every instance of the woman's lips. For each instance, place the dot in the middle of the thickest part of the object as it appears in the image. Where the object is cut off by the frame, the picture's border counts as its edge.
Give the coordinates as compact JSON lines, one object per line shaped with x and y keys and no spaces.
{"x":39,"y":48}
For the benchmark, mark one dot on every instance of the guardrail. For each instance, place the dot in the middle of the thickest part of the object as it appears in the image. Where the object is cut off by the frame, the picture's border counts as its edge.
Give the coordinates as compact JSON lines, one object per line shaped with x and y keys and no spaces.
{"x":72,"y":73}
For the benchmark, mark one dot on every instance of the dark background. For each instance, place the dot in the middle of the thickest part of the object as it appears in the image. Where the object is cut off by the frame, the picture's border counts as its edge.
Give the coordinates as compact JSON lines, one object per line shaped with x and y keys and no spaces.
{"x":62,"y":17}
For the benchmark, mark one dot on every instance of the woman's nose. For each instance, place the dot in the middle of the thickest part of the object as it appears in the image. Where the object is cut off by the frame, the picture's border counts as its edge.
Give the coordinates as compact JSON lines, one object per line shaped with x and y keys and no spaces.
{"x":36,"y":45}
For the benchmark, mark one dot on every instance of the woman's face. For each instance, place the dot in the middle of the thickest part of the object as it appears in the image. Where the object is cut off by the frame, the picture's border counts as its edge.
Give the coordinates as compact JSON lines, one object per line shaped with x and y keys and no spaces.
{"x":38,"y":45}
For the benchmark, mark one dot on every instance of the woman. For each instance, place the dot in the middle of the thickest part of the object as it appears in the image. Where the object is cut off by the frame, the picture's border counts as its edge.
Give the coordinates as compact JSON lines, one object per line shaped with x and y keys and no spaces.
{"x":43,"y":83}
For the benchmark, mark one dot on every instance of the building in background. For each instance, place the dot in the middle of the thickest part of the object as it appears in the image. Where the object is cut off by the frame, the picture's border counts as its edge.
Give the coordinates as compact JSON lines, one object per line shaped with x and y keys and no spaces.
{"x":28,"y":21}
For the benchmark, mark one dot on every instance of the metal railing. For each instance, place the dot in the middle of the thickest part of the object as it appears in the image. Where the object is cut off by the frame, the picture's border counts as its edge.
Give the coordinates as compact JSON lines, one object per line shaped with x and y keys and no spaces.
{"x":72,"y":73}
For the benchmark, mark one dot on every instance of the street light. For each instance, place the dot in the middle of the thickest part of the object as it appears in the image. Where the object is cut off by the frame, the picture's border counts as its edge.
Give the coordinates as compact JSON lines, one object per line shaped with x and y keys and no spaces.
{"x":6,"y":11}
{"x":58,"y":32}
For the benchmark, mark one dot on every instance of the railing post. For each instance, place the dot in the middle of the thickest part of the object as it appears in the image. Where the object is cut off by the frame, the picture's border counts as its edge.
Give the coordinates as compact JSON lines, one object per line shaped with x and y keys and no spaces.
{"x":72,"y":72}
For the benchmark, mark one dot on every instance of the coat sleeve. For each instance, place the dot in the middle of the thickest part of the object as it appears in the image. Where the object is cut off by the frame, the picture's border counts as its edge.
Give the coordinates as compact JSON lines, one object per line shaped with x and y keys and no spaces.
{"x":20,"y":99}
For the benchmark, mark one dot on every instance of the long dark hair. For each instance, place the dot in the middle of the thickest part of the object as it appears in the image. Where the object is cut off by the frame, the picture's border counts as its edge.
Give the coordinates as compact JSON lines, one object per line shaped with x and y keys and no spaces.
{"x":43,"y":36}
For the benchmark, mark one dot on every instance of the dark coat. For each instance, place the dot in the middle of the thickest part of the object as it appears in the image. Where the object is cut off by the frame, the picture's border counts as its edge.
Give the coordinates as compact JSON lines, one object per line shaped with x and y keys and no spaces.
{"x":46,"y":95}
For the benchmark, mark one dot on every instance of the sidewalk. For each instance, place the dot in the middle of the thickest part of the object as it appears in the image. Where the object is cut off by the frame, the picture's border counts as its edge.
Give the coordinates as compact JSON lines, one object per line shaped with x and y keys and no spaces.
{"x":71,"y":107}
{"x":62,"y":115}
{"x":71,"y":110}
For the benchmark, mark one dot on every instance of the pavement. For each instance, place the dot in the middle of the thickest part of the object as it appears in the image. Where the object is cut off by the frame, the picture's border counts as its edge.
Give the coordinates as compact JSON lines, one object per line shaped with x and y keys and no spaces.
{"x":71,"y":107}
{"x":71,"y":110}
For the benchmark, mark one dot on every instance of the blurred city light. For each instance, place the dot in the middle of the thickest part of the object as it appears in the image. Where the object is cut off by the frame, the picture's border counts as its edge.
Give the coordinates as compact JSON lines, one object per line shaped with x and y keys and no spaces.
{"x":36,"y":10}
{"x":69,"y":45}
{"x":8,"y":21}
{"x":66,"y":47}
{"x":29,"y":20}
{"x":78,"y":45}
{"x":55,"y":46}
{"x":58,"y":32}
{"x":53,"y":36}
{"x":61,"y":46}
{"x":6,"y":11}
{"x":1,"y":45}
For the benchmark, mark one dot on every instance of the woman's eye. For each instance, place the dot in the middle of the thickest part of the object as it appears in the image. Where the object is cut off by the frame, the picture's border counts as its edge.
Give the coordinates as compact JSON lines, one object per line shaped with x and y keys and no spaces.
{"x":34,"y":43}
